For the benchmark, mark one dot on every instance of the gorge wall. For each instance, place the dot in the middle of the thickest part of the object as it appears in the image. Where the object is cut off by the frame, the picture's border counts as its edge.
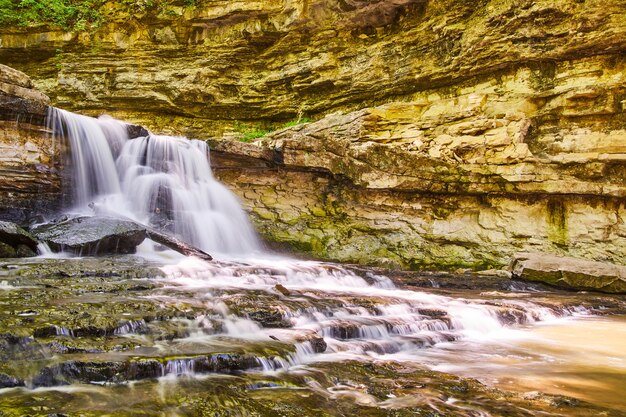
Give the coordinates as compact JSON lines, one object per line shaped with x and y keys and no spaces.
{"x":447,"y":134}
{"x":30,"y":180}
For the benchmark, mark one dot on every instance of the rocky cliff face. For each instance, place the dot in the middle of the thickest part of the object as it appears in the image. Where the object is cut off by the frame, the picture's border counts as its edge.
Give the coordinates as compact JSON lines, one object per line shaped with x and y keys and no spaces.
{"x":462,"y":181}
{"x":29,"y":160}
{"x":448,"y":133}
{"x":200,"y":69}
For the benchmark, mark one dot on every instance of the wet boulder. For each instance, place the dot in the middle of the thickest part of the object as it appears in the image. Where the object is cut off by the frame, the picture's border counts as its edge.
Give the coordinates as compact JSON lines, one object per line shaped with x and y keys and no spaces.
{"x":7,"y":381}
{"x":77,"y":371}
{"x":269,"y":318}
{"x":92,"y":235}
{"x":7,"y":251}
{"x":569,"y":273}
{"x":98,"y":372}
{"x":16,"y":242}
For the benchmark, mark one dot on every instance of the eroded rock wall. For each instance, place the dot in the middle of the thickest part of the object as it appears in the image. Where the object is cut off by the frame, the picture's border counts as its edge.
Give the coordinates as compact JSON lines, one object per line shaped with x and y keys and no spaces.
{"x":317,"y":214}
{"x":448,"y":133}
{"x":452,"y":180}
{"x":199,"y":70}
{"x":30,"y":183}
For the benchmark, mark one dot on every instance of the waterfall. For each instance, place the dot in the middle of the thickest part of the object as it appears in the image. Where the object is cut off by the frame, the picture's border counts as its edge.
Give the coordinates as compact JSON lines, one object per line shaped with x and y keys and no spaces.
{"x":166,"y":182}
{"x":162,"y":181}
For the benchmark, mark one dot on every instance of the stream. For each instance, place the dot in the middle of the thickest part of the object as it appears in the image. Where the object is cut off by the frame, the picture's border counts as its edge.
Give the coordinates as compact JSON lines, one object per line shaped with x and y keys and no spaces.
{"x":127,"y":336}
{"x":254,"y":333}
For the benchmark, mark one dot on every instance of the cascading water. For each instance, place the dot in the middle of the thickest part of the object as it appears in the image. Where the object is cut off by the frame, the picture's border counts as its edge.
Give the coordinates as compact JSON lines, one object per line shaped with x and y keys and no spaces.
{"x":309,"y":312}
{"x":167,"y":182}
{"x":161,"y":181}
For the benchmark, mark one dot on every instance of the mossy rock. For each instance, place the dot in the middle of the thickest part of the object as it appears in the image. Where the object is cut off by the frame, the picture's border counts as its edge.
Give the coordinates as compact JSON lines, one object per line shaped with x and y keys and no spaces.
{"x":7,"y":251}
{"x":16,"y":242}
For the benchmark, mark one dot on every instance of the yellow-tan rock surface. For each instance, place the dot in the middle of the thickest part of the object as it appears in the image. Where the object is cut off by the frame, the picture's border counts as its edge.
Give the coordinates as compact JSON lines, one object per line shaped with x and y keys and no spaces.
{"x":446,"y":134}
{"x":29,"y":160}
{"x":200,"y":69}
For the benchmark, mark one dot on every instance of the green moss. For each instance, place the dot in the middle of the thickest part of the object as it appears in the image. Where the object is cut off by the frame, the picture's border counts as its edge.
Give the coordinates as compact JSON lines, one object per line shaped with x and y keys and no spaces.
{"x":79,"y":15}
{"x":7,"y":251}
{"x":318,"y":212}
{"x":249,"y":133}
{"x":297,"y":122}
{"x":543,"y":75}
{"x":557,"y":222}
{"x":67,"y":14}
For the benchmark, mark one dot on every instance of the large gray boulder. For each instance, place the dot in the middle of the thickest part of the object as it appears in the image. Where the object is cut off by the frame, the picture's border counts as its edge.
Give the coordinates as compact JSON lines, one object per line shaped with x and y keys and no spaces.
{"x":101,"y":235}
{"x":569,"y":273}
{"x":15,"y":241}
{"x":92,"y":235}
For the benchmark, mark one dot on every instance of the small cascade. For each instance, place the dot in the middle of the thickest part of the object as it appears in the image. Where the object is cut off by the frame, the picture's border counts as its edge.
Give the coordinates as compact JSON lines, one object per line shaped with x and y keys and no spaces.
{"x":131,"y":327}
{"x":63,"y":331}
{"x":354,"y":318}
{"x":162,"y":181}
{"x":92,"y":162}
{"x":249,"y":311}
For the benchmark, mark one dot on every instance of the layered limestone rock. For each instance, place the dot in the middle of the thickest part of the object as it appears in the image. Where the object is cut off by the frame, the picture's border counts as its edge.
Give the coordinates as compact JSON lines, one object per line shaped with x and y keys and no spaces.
{"x":199,"y":69}
{"x":467,"y":180}
{"x":317,"y":213}
{"x":29,"y":162}
{"x":448,"y":133}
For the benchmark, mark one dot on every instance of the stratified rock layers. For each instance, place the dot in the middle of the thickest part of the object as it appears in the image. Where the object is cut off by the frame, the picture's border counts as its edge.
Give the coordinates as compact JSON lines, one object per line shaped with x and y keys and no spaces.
{"x":199,"y":69}
{"x":328,"y":217}
{"x":448,"y":133}
{"x":29,"y":178}
{"x":467,"y":180}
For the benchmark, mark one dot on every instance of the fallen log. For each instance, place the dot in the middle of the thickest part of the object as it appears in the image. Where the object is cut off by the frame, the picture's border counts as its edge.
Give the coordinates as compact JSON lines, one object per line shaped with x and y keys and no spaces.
{"x":176,"y":244}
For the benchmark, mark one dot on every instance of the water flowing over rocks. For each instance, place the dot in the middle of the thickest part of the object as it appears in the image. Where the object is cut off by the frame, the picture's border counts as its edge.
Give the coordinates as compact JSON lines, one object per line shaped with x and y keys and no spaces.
{"x":569,"y":273}
{"x":122,"y":325}
{"x":164,"y":182}
{"x":446,"y":135}
{"x":99,"y":235}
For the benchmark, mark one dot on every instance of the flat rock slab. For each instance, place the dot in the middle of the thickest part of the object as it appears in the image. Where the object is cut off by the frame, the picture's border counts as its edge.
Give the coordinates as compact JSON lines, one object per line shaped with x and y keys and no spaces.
{"x":570,"y":273}
{"x":102,"y":235}
{"x":92,"y":235}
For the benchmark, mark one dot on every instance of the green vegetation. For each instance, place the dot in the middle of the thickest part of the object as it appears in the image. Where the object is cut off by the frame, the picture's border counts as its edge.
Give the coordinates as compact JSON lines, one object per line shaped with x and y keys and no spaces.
{"x":296,"y":122}
{"x":67,"y":14}
{"x":79,"y":15}
{"x":249,"y":133}
{"x":252,"y":134}
{"x":58,"y":59}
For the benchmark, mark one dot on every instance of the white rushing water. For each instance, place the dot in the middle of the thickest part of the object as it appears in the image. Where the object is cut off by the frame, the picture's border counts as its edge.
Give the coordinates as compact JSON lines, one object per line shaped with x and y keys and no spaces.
{"x":357,"y":318}
{"x":166,"y":182}
{"x":162,"y":181}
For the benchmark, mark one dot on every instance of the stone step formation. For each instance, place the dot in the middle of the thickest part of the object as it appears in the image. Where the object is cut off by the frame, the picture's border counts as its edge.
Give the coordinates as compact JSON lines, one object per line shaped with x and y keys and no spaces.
{"x":113,"y":326}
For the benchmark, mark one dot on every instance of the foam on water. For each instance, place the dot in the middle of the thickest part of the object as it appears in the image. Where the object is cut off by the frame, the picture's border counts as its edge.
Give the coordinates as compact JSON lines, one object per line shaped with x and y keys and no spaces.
{"x":396,"y":324}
